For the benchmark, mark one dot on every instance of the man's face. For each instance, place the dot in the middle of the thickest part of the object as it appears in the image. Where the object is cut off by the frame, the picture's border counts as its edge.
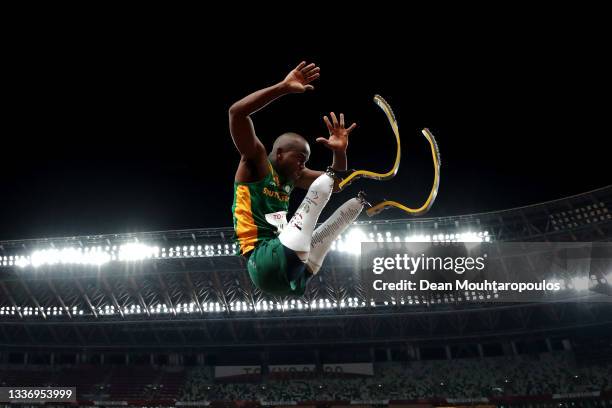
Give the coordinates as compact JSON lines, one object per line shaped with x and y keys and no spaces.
{"x":292,"y":162}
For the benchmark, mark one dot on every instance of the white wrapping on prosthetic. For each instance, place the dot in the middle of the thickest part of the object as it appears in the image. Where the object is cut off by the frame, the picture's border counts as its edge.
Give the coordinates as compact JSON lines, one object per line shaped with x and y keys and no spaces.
{"x":298,"y":232}
{"x":327,"y":232}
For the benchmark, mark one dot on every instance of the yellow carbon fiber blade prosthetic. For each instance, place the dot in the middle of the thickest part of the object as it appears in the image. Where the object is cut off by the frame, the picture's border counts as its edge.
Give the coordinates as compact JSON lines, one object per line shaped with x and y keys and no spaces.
{"x":435,"y":153}
{"x":370,"y":174}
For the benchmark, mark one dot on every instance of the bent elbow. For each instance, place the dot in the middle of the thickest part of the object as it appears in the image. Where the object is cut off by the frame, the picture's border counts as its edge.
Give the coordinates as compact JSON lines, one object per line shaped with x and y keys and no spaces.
{"x":235,"y":110}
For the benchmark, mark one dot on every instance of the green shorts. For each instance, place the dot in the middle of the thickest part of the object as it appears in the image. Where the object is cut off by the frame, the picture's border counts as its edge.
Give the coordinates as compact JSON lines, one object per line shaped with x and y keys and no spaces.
{"x":271,"y":265}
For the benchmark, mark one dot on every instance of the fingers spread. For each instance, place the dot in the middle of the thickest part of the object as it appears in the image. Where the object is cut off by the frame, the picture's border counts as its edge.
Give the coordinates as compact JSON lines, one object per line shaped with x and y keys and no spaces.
{"x":328,"y":123}
{"x":312,"y":73}
{"x":334,"y":119}
{"x":311,"y":77}
{"x":308,"y":68}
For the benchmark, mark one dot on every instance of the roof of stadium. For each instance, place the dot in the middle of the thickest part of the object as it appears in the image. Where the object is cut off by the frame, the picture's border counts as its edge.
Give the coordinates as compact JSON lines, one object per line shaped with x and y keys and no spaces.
{"x":186,"y":288}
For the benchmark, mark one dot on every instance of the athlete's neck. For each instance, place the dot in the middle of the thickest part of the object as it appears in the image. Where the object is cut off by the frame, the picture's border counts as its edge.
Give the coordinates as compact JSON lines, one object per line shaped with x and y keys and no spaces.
{"x":281,"y":179}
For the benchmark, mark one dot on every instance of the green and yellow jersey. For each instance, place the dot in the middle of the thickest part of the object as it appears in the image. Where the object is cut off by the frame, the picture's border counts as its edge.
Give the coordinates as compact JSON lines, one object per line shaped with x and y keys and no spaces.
{"x":260,"y":210}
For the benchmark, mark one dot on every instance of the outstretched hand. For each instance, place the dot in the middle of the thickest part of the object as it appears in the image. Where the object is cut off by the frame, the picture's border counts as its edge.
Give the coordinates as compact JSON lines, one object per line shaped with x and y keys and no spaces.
{"x":338,"y":135}
{"x":299,"y":79}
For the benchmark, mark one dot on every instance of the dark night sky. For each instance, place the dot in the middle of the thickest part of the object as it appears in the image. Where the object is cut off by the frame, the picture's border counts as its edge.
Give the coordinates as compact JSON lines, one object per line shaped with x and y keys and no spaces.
{"x":108,"y":129}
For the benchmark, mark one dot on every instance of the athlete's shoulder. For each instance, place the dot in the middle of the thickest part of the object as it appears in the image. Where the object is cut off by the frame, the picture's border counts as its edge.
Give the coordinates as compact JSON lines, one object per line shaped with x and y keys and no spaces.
{"x":251,"y":171}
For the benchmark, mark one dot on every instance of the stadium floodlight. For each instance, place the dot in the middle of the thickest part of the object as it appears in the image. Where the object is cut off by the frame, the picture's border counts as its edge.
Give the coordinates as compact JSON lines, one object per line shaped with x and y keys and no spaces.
{"x":22,"y":262}
{"x":135,"y":252}
{"x":353,"y":240}
{"x":470,"y":237}
{"x":580,"y":283}
{"x":66,"y":256}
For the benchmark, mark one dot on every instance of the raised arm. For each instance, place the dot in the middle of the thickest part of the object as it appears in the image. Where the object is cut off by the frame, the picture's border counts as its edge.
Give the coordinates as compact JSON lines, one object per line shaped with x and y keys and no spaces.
{"x":240,"y":123}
